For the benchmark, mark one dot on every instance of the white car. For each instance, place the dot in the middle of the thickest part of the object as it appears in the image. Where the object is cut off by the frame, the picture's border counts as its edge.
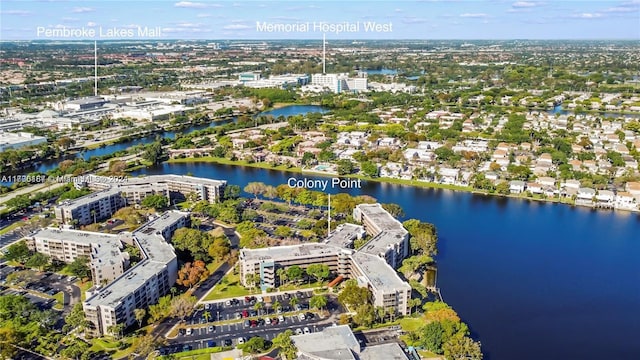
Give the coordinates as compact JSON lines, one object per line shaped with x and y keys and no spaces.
{"x":281,"y":318}
{"x":259,"y":299}
{"x":298,"y":331}
{"x":306,"y":330}
{"x":267,"y":321}
{"x":240,"y":340}
{"x":301,"y":317}
{"x":189,"y":331}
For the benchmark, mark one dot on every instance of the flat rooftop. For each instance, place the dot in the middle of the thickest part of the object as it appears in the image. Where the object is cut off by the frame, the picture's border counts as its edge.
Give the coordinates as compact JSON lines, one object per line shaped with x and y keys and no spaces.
{"x":159,"y":254}
{"x":379,"y":216}
{"x":104,"y":247}
{"x":332,"y":343}
{"x":378,"y":273}
{"x":280,"y":253}
{"x":344,"y":235}
{"x":391,"y":351}
{"x":88,"y":199}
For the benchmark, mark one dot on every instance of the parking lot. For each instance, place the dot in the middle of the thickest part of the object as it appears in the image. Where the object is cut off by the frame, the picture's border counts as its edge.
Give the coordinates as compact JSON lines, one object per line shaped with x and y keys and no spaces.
{"x":230,"y":321}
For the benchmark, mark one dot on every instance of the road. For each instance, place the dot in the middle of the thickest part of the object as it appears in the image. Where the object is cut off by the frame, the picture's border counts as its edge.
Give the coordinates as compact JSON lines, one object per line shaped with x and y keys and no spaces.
{"x":28,"y":190}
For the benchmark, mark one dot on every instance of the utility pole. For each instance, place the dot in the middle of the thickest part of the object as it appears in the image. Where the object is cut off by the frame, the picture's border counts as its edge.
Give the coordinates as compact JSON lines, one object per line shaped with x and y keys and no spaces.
{"x":329,"y":217}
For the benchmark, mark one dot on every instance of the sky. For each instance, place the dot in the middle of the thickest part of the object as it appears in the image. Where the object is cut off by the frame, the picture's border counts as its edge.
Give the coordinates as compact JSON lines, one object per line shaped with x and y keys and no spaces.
{"x":354,"y":19}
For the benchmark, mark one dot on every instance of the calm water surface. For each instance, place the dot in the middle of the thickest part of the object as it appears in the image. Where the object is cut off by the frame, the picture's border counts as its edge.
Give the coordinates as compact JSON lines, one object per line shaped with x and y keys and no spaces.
{"x":533,"y":280}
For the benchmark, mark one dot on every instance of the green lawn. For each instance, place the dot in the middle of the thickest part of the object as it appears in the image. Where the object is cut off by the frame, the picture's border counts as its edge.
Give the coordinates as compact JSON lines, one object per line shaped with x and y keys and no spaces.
{"x":102,"y":344}
{"x":429,"y":355}
{"x":229,"y":287}
{"x":290,"y":287}
{"x":199,"y":354}
{"x":13,"y":226}
{"x":225,"y":161}
{"x":83,"y":288}
{"x":59,"y":297}
{"x":411,"y":324}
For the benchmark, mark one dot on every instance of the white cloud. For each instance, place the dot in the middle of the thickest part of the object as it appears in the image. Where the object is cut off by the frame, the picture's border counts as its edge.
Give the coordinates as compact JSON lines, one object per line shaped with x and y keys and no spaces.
{"x":523,"y":4}
{"x":91,"y":24}
{"x":16,"y":12}
{"x":236,"y":27}
{"x":414,"y":20}
{"x":587,"y":16}
{"x":203,"y":15}
{"x":83,"y":9}
{"x":474,"y":15}
{"x":195,"y":5}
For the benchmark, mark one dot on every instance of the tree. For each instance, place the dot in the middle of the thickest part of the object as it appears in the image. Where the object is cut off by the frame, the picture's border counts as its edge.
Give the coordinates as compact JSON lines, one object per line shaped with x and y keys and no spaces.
{"x":319,"y":271}
{"x":254,"y":345}
{"x":344,"y":167}
{"x":365,"y":315}
{"x":255,"y":188}
{"x":286,"y":346}
{"x":294,"y":301}
{"x":282,"y":275}
{"x":19,"y":202}
{"x":206,"y":315}
{"x":433,"y":337}
{"x":182,"y":306}
{"x":145,"y":345}
{"x":65,"y":142}
{"x":75,"y":349}
{"x":318,"y":302}
{"x":220,"y":248}
{"x":414,"y":303}
{"x":139,"y":314}
{"x":353,"y":295}
{"x":283,"y":231}
{"x":295,"y":273}
{"x":369,"y":168}
{"x":394,"y":209}
{"x":116,"y":330}
{"x":462,"y":348}
{"x":423,"y":236}
{"x":258,"y":306}
{"x":75,"y":319}
{"x":277,"y":305}
{"x":191,"y":274}
{"x":194,"y":241}
{"x":154,"y":153}
{"x":155,"y":201}
{"x":231,"y":192}
{"x":253,"y":280}
{"x":38,"y":261}
{"x":79,"y":267}
{"x":8,"y":338}
{"x":18,"y":252}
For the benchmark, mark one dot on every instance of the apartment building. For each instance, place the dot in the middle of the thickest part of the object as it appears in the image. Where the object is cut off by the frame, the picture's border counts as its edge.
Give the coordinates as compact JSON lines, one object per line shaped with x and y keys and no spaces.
{"x":142,"y":285}
{"x":104,"y":251}
{"x":111,"y":195}
{"x":372,"y":266}
{"x":90,"y":208}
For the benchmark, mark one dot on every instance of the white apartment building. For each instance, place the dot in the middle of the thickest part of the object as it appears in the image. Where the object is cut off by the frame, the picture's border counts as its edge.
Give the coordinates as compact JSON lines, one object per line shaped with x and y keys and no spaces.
{"x":372,"y":266}
{"x":104,"y":251}
{"x":142,"y":285}
{"x":90,"y":208}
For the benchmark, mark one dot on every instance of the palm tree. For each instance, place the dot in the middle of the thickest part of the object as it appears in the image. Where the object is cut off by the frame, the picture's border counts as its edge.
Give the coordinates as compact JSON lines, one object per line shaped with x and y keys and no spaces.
{"x":282,"y":275}
{"x":206,"y":315}
{"x":139,"y":314}
{"x":93,"y":213}
{"x":257,"y":307}
{"x":380,"y":312}
{"x":294,"y":301}
{"x":277,"y":305}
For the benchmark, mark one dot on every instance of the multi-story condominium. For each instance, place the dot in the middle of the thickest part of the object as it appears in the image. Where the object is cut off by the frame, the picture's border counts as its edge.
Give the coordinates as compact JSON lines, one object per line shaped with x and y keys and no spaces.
{"x":112,"y":195}
{"x":372,"y":265}
{"x":104,"y":251}
{"x":141,"y":285}
{"x":90,"y":208}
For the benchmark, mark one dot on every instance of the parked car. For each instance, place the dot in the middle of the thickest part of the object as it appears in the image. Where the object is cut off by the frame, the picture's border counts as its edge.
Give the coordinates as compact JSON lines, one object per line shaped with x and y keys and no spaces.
{"x":227,"y":342}
{"x":267,"y":321}
{"x":306,"y":330}
{"x":245,"y":313}
{"x":207,"y":306}
{"x":240,"y":340}
{"x":189,"y":331}
{"x":227,"y":303}
{"x":247,"y":323}
{"x":298,"y":331}
{"x":211,"y":343}
{"x":212,"y":328}
{"x":301,"y":317}
{"x":281,"y":318}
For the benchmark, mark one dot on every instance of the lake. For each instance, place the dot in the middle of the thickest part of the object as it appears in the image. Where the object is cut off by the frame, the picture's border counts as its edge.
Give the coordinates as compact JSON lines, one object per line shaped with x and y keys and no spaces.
{"x":533,"y":280}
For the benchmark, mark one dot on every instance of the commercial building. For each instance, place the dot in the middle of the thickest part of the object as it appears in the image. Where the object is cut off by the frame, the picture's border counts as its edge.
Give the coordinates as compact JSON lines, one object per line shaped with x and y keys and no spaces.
{"x":372,"y":265}
{"x":142,"y":285}
{"x":338,"y":83}
{"x":86,"y":103}
{"x":104,"y":251}
{"x":112,"y":195}
{"x":10,"y":140}
{"x":339,"y":343}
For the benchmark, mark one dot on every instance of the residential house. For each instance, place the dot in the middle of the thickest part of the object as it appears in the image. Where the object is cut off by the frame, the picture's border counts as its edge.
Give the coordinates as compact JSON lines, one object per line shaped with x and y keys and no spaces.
{"x":516,"y":186}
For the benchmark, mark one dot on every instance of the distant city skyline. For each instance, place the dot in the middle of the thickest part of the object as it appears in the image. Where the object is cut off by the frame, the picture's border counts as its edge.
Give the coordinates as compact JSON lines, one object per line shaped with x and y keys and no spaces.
{"x":355,"y":19}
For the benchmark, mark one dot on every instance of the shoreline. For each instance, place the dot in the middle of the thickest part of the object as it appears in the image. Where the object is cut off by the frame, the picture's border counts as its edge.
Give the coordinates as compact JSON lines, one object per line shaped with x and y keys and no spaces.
{"x":386,"y":180}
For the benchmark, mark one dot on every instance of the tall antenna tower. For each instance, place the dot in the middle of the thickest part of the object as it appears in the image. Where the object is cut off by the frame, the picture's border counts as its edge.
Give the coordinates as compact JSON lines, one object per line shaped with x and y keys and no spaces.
{"x":95,"y":68}
{"x":324,"y":53}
